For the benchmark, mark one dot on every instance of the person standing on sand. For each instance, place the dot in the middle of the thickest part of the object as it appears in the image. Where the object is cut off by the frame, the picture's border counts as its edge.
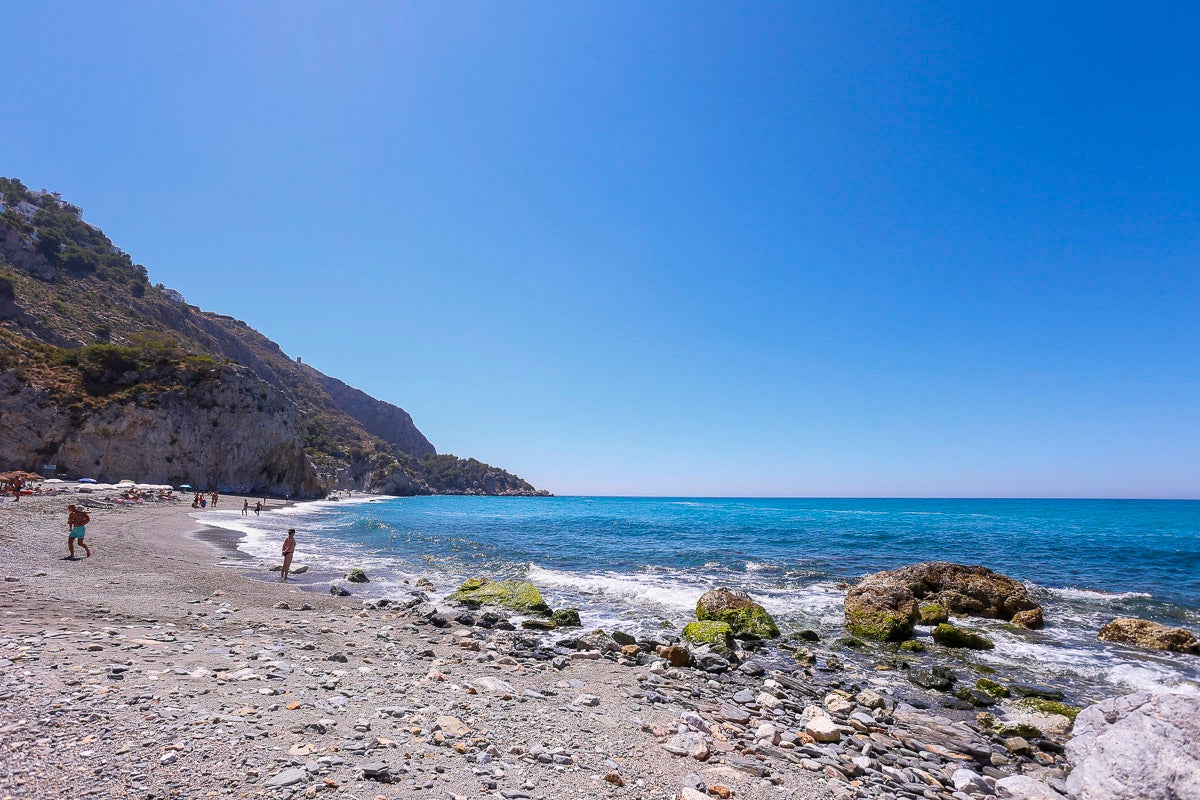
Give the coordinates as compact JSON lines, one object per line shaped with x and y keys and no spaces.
{"x":257,"y":507}
{"x":214,"y":499}
{"x":77,"y":520}
{"x":289,"y":547}
{"x":245,"y":506}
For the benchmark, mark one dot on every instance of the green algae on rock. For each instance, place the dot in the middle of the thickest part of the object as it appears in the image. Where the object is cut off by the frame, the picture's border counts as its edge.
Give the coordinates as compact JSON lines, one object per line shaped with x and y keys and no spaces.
{"x":716,"y":634}
{"x":934,"y":614}
{"x":880,"y":612}
{"x":996,"y":690}
{"x":1049,"y":707}
{"x":519,"y":596}
{"x":950,"y":636}
{"x":566,"y":618}
{"x":746,"y":618}
{"x":884,"y":605}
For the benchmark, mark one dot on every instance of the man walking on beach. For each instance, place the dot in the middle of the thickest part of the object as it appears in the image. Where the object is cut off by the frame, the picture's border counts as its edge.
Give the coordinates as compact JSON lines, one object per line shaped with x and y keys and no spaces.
{"x":245,"y":506}
{"x":77,"y":520}
{"x":289,"y":547}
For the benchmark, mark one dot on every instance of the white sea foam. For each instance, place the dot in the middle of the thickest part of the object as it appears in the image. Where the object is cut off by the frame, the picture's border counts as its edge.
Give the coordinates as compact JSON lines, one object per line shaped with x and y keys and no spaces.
{"x":658,"y":590}
{"x":759,"y":566}
{"x":1151,"y":679}
{"x":1094,"y":595}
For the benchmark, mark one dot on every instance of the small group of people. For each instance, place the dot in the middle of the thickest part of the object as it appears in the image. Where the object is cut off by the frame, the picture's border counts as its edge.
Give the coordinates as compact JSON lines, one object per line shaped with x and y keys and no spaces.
{"x":258,"y":507}
{"x":202,"y":501}
{"x":78,"y":519}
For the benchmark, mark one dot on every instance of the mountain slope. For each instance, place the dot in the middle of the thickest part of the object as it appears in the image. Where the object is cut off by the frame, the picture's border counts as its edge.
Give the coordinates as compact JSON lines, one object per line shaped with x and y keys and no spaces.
{"x":90,"y":341}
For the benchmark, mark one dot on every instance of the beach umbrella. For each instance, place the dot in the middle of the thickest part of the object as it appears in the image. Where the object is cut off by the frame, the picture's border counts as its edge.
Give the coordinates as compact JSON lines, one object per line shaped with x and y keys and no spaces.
{"x":185,"y":486}
{"x":87,"y":480}
{"x":54,"y":480}
{"x":126,"y":481}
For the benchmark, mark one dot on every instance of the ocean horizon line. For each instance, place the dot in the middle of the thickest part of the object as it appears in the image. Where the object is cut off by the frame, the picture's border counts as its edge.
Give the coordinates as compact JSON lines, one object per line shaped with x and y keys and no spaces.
{"x":977,"y":498}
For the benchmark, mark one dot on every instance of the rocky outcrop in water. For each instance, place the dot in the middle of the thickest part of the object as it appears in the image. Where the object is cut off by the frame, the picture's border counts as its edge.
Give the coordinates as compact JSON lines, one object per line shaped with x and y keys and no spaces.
{"x":388,"y":422}
{"x":1149,"y":635}
{"x":886,"y":605}
{"x":746,"y":618}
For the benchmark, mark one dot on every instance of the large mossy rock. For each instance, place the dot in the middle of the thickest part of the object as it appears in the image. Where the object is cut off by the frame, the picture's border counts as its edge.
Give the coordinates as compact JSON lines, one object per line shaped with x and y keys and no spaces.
{"x":886,"y":605}
{"x":746,"y":618}
{"x":881,"y":611}
{"x":519,"y":596}
{"x":717,"y":635}
{"x":1150,"y":635}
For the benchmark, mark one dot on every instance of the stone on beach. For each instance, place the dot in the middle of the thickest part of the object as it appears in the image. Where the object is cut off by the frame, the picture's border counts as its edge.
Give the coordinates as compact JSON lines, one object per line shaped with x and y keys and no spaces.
{"x":1023,"y":787}
{"x":687,"y":744}
{"x":948,"y":635}
{"x":718,"y":635}
{"x":823,"y":729}
{"x":746,"y":618}
{"x":519,"y":596}
{"x":1137,"y":745}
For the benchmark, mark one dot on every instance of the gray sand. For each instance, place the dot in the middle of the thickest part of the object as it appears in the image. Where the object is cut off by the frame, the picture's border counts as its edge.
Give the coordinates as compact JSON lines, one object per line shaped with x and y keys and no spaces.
{"x":153,"y":669}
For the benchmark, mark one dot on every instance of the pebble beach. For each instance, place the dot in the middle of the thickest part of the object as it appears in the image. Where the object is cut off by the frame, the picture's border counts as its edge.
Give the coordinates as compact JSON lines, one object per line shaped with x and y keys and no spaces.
{"x":160,"y":667}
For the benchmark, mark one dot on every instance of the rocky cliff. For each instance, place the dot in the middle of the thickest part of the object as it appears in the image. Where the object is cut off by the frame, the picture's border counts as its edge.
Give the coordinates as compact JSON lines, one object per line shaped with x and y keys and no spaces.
{"x":224,"y":428}
{"x":378,"y":418}
{"x":110,"y":376}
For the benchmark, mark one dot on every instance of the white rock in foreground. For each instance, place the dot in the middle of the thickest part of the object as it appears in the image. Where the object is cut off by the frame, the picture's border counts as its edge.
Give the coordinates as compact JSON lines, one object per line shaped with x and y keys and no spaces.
{"x":823,"y":729}
{"x":1023,"y":787}
{"x":1139,"y":746}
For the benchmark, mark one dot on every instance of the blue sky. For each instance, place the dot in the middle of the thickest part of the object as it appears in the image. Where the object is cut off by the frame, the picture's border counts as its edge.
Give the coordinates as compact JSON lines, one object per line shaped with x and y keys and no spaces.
{"x":672,"y":248}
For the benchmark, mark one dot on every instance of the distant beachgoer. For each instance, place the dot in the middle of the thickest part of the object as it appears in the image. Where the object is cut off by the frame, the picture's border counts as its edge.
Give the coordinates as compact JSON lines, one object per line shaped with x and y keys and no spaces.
{"x":203,"y":501}
{"x":245,"y":506}
{"x":257,"y":507}
{"x":77,"y":521}
{"x":289,"y":547}
{"x":214,"y":499}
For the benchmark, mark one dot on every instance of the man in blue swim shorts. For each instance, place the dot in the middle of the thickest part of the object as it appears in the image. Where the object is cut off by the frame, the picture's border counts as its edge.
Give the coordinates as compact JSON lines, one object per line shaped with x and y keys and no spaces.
{"x":77,"y":521}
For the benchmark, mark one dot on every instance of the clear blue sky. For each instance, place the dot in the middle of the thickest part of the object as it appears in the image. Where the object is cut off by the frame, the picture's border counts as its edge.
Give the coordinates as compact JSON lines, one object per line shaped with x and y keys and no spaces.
{"x":672,"y":248}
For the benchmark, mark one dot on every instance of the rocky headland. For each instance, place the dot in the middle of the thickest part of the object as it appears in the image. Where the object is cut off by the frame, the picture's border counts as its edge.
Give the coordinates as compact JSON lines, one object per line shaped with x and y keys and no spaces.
{"x":107,"y":375}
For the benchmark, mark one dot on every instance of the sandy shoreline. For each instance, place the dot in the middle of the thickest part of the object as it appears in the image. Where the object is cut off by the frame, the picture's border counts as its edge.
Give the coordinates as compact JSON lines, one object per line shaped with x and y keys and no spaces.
{"x":159,"y":668}
{"x":155,"y":668}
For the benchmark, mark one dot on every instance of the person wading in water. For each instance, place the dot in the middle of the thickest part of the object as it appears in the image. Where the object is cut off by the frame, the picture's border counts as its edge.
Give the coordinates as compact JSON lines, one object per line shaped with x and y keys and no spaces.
{"x":289,"y":547}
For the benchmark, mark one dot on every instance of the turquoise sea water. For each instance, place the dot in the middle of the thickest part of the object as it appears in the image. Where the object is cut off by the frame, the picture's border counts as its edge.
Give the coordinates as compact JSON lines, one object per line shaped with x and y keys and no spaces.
{"x":642,"y":562}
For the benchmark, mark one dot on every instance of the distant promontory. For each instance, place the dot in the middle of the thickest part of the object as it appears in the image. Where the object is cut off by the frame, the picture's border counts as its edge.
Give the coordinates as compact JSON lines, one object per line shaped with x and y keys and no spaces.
{"x":106,"y":375}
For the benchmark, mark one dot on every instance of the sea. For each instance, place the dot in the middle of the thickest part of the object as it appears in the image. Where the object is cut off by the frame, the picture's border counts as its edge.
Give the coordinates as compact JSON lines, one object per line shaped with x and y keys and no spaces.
{"x":639,"y":564}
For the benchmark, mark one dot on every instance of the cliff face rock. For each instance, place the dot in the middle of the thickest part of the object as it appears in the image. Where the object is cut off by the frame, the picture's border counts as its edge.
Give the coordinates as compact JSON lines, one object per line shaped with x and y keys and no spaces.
{"x":388,"y":422}
{"x":227,"y":431}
